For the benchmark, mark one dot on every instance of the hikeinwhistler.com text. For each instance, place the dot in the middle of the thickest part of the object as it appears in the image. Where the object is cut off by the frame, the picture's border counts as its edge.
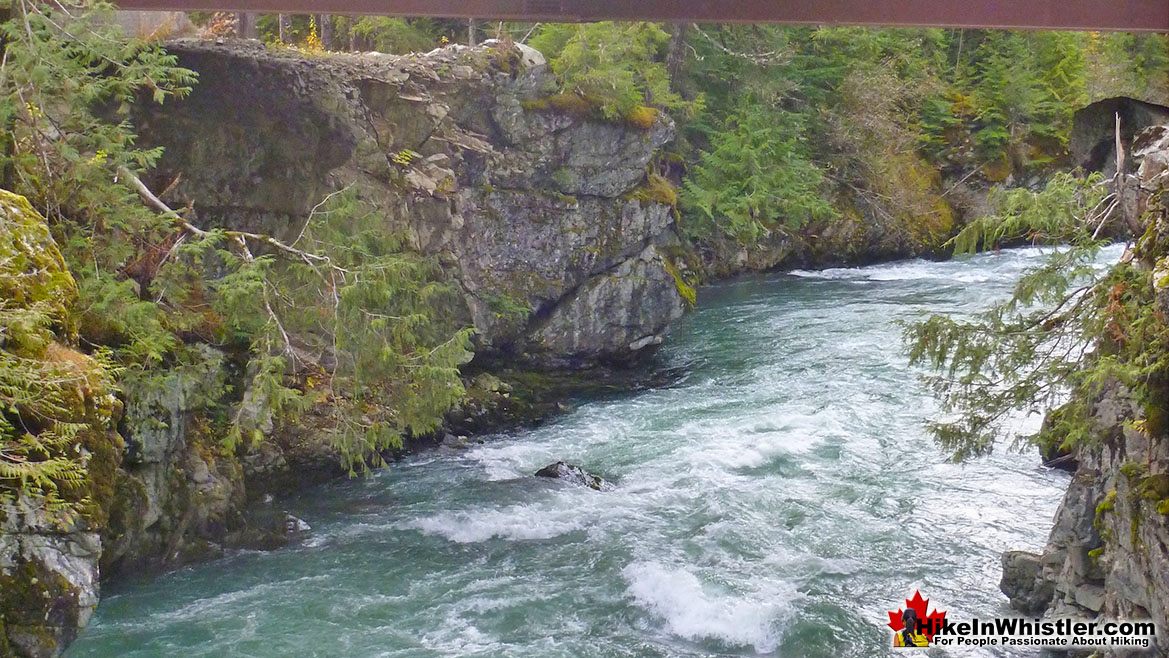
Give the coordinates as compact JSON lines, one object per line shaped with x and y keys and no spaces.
{"x":1045,"y":633}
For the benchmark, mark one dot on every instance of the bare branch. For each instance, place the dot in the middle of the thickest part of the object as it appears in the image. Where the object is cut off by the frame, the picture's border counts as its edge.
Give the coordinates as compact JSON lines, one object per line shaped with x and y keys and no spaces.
{"x":242,"y":237}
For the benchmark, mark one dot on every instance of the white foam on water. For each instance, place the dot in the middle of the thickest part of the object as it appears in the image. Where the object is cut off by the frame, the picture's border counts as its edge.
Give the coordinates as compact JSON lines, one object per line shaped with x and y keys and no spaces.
{"x":911,"y":271}
{"x":754,"y":441}
{"x":510,"y":460}
{"x":692,"y":611}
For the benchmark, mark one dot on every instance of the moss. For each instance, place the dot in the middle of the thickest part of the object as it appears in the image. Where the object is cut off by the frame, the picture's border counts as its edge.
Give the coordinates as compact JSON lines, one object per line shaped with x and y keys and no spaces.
{"x":5,"y":648}
{"x":642,"y":117}
{"x":1103,"y":507}
{"x":1156,"y":420}
{"x":998,"y":170}
{"x":1096,"y":553}
{"x":584,"y":106}
{"x":37,"y":601}
{"x":564,"y":177}
{"x":506,"y":307}
{"x":688,"y":293}
{"x":126,"y":514}
{"x":655,"y":189}
{"x":1153,"y":487}
{"x":34,"y":273}
{"x":1135,"y":527}
{"x":1133,"y":470}
{"x":505,"y":58}
{"x":575,"y":105}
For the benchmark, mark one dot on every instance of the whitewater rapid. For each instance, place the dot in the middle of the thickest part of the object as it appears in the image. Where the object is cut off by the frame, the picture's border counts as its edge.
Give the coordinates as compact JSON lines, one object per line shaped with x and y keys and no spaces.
{"x":778,"y":500}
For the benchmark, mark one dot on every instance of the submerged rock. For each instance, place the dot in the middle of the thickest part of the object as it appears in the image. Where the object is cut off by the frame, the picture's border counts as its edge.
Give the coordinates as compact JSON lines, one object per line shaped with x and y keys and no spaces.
{"x":574,"y":475}
{"x":269,"y":529}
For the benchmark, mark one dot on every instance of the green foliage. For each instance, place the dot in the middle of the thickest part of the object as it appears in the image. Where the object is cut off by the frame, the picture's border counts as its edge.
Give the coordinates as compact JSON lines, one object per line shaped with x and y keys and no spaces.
{"x":347,"y":318}
{"x":1125,"y":64}
{"x":1054,"y":215}
{"x":396,"y":35}
{"x":619,"y":67}
{"x":1018,"y":81}
{"x":385,"y":316}
{"x":47,"y":391}
{"x":685,"y":290}
{"x":756,"y":177}
{"x":1068,"y":333}
{"x":66,"y":86}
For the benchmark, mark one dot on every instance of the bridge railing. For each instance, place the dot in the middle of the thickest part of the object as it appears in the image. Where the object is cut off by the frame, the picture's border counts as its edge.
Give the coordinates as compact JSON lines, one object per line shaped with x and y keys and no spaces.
{"x":1122,"y":15}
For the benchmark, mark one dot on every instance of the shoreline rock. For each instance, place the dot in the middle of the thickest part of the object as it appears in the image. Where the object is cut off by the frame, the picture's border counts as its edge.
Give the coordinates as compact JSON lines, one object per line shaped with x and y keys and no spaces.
{"x":1108,"y":551}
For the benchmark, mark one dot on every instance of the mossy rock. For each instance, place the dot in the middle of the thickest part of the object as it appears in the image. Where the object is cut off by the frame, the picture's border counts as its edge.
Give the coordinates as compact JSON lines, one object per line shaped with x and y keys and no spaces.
{"x":655,"y":189}
{"x":1103,"y":507}
{"x":38,"y":611}
{"x":1154,"y":487}
{"x":33,"y":273}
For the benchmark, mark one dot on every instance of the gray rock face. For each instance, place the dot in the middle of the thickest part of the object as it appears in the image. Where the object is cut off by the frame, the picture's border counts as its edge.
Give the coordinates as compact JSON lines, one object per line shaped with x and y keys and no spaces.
{"x":1021,"y":583}
{"x":1093,"y":138}
{"x":531,"y":212}
{"x":175,"y":503}
{"x":1108,"y":553}
{"x":48,"y":582}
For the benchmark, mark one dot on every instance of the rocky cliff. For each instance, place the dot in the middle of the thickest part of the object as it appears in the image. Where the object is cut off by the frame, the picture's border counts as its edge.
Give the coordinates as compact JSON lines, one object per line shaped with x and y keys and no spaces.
{"x":58,"y":406}
{"x":533,"y":210}
{"x":540,"y":218}
{"x":1108,"y":553}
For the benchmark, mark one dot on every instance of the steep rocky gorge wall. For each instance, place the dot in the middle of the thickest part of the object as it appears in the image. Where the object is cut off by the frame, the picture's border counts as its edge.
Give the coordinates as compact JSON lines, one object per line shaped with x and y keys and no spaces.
{"x":1108,"y":553}
{"x":535,"y":209}
{"x":534,"y":215}
{"x":537,"y":217}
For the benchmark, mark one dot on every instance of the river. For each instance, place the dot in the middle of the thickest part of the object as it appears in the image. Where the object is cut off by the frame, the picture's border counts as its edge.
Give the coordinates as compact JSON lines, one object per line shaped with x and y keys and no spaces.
{"x":778,"y":500}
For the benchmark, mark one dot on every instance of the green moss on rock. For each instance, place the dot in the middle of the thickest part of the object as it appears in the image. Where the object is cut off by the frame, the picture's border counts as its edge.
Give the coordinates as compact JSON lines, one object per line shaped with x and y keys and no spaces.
{"x":39,"y":609}
{"x":33,"y":273}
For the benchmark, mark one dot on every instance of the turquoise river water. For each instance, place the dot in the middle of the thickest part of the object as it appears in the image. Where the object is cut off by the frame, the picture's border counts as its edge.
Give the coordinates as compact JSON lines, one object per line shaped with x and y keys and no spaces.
{"x":777,"y":501}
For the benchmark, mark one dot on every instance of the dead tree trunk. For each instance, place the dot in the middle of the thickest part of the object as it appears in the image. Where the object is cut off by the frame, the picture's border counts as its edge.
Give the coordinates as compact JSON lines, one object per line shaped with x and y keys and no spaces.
{"x":325,"y":30}
{"x":245,"y":25}
{"x":285,"y":23}
{"x":676,"y":55}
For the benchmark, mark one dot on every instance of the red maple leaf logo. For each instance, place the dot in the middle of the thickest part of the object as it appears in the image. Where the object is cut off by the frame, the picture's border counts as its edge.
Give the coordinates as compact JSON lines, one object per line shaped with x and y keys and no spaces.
{"x":931,"y":622}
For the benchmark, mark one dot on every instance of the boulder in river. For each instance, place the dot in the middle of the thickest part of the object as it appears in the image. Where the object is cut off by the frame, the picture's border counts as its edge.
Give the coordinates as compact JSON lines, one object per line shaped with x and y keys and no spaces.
{"x":574,"y":475}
